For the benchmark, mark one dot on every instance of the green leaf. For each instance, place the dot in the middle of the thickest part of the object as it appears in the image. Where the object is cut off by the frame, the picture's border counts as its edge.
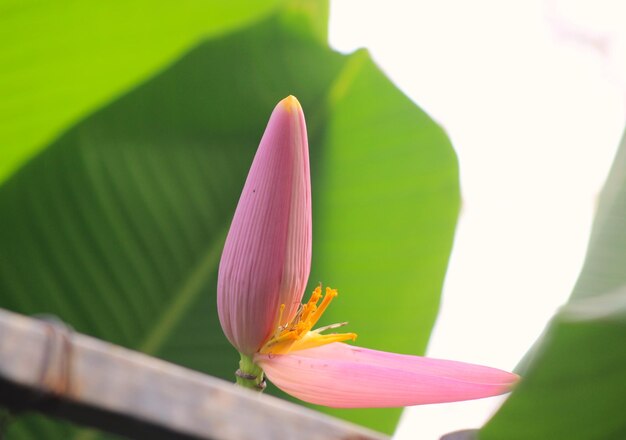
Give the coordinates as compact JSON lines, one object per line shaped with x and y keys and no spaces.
{"x":307,"y":18}
{"x":118,"y":226}
{"x":61,"y":60}
{"x":574,"y":385}
{"x":385,"y":207}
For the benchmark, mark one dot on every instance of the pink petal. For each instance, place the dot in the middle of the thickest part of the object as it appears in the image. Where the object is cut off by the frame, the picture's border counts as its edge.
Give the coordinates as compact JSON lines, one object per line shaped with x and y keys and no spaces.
{"x":344,"y":376}
{"x":267,"y":254}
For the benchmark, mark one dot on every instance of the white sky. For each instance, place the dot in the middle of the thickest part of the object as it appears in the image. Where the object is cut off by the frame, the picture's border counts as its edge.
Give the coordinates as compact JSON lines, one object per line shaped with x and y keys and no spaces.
{"x":532,"y":94}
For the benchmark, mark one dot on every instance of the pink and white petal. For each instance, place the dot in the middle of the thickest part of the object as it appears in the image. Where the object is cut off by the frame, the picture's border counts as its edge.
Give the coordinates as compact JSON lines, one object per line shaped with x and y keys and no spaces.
{"x":344,"y":376}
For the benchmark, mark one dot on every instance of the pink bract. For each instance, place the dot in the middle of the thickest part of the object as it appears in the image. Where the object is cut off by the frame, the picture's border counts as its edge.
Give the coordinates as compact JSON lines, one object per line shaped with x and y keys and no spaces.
{"x":344,"y":376}
{"x":267,"y":254}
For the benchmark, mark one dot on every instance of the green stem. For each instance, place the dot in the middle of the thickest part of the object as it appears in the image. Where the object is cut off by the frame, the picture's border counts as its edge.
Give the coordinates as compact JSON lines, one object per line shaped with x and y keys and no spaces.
{"x":250,"y":375}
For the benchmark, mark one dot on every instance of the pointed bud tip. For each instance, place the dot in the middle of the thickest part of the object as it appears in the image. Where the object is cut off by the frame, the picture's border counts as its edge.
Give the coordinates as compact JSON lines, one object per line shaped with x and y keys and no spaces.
{"x":291,"y":103}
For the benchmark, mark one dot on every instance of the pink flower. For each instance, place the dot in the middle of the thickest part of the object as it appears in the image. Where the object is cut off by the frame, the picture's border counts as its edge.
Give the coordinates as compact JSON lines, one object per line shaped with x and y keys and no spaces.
{"x":262,"y":277}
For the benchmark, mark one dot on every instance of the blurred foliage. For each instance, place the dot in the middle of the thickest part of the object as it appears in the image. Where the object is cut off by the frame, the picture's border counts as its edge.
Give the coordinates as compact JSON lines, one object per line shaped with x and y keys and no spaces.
{"x":117,"y":225}
{"x":574,"y":384}
{"x":60,"y":60}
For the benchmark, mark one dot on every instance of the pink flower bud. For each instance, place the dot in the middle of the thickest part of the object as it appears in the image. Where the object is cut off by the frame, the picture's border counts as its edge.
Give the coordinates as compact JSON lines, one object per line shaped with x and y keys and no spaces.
{"x":267,"y":255}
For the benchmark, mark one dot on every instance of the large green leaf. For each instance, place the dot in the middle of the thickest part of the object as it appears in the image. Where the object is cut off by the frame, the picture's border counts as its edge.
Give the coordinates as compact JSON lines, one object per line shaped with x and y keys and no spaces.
{"x":117,"y":227}
{"x":385,"y":207}
{"x":574,"y":386}
{"x":59,"y":59}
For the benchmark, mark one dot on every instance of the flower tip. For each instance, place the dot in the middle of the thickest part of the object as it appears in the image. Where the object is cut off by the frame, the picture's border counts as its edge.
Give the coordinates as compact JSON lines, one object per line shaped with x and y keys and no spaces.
{"x":513,"y":381}
{"x":291,"y":103}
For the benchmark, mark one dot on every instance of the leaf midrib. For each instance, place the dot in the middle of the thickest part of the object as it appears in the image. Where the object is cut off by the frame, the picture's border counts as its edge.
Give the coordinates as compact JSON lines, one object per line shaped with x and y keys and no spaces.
{"x":183,"y":296}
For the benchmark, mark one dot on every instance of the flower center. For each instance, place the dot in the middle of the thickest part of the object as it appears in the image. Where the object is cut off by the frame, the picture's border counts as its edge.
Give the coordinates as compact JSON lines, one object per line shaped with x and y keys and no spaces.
{"x":297,"y":334}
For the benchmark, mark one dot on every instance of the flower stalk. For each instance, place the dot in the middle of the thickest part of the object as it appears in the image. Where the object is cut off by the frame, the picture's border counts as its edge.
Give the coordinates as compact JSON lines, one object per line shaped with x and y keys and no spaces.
{"x":250,"y":375}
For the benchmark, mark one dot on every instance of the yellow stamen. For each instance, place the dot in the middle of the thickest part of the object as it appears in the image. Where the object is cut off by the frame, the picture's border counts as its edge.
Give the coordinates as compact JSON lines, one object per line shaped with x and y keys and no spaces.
{"x":297,"y":334}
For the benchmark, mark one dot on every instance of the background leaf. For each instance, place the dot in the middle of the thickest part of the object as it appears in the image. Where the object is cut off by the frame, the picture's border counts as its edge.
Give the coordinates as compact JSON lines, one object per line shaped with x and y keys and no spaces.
{"x":574,"y":385}
{"x":117,"y":227}
{"x":60,"y":60}
{"x":385,"y":206}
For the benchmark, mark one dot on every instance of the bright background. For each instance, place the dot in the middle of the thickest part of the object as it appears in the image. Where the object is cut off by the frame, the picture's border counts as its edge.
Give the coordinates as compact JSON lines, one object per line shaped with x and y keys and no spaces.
{"x":532,"y":94}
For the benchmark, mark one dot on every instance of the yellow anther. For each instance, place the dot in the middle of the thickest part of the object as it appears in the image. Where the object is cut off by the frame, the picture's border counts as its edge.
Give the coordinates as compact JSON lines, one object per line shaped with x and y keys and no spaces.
{"x":297,"y":334}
